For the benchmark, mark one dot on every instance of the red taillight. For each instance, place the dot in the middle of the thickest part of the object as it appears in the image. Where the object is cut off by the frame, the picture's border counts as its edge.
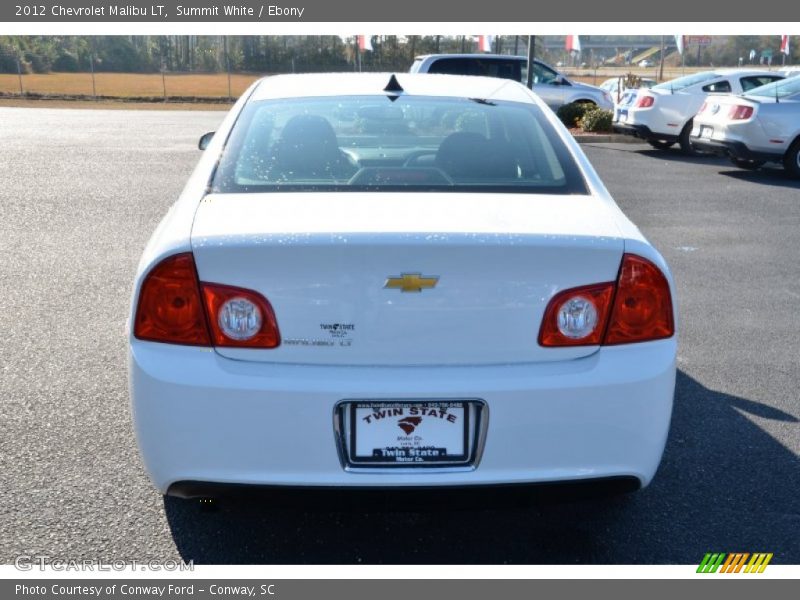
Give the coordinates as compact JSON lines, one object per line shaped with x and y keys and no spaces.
{"x":703,"y":108}
{"x":253,"y":324}
{"x":740,"y":112}
{"x":642,"y":304}
{"x":170,"y":309}
{"x":637,"y":308}
{"x":566,"y":319}
{"x":645,"y":102}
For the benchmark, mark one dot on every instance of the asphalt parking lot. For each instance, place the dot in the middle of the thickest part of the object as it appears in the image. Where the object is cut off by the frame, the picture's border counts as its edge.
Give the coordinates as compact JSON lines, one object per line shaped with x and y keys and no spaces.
{"x":82,"y":191}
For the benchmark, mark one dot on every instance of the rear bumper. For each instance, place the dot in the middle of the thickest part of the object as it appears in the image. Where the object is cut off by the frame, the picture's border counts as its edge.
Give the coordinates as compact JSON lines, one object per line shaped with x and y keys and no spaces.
{"x":642,"y":132}
{"x":201,"y":419}
{"x":422,"y":495}
{"x":734,"y":149}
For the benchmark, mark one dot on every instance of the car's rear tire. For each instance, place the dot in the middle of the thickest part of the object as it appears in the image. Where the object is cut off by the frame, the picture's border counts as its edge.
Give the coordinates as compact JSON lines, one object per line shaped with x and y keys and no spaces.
{"x":791,"y":161}
{"x":685,"y":142}
{"x":744,"y":163}
{"x":660,"y":144}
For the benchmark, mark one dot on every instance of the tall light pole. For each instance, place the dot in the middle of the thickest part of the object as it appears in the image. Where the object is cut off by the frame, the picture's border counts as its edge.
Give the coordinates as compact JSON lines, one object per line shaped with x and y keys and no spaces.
{"x":531,"y":58}
{"x":227,"y":63}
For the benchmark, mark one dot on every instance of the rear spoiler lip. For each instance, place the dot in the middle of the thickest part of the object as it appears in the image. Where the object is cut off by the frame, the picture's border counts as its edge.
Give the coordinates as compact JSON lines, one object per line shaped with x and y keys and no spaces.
{"x":737,"y":96}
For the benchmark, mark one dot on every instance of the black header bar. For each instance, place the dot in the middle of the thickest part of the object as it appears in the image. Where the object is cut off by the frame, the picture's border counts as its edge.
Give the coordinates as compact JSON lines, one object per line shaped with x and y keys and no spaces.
{"x":363,"y":11}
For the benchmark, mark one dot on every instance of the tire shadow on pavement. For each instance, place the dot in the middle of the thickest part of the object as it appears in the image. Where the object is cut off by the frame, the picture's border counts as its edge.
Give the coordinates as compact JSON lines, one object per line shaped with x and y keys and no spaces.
{"x":676,"y":155}
{"x":776,"y":177}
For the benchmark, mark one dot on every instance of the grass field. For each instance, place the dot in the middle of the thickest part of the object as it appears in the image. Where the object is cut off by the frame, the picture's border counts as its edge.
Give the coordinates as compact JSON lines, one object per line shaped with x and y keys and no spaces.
{"x":596,"y":78}
{"x":112,"y":104}
{"x":126,"y":85}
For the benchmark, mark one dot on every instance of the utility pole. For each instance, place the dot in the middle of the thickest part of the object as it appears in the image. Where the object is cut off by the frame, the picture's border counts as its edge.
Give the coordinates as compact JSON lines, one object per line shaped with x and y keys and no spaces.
{"x":19,"y":74}
{"x":661,"y":66}
{"x":227,"y":63}
{"x":94,"y":87}
{"x":91,"y":67}
{"x":531,"y":58}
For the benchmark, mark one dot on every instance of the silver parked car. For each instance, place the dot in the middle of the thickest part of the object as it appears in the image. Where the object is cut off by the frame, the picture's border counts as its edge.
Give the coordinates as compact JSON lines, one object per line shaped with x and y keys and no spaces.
{"x":554,"y":88}
{"x":760,"y":126}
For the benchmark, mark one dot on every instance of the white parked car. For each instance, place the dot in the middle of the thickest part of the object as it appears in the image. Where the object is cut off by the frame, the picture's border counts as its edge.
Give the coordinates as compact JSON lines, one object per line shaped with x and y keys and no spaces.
{"x":789,"y":71}
{"x":760,"y":126}
{"x":616,"y":86}
{"x":663,"y":114}
{"x":555,"y":88}
{"x":398,"y":281}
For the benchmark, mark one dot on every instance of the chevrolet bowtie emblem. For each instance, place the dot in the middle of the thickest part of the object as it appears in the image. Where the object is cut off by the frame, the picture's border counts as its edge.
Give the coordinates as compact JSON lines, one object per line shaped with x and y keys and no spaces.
{"x":410,"y":282}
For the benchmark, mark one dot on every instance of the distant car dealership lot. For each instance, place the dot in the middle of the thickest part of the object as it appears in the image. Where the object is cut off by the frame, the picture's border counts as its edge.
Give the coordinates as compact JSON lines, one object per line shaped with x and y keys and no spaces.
{"x":82,"y":192}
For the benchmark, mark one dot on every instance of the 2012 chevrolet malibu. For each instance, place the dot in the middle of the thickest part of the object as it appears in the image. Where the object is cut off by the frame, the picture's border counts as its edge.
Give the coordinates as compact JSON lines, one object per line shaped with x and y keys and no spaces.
{"x":411,"y":280}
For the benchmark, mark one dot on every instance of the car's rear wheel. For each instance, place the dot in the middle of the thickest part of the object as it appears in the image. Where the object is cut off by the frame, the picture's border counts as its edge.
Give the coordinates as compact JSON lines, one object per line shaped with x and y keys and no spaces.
{"x":744,"y":163}
{"x":660,"y":144}
{"x":791,"y":162}
{"x":685,"y":142}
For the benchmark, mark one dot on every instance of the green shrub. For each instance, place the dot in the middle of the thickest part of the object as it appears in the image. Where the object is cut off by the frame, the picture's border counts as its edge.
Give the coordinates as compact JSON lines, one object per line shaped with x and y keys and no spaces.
{"x":597,"y":120}
{"x":571,"y":114}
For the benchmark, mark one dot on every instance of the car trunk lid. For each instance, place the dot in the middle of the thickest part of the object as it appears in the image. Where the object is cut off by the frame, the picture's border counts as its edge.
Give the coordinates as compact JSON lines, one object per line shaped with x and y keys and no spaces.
{"x":478,"y":270}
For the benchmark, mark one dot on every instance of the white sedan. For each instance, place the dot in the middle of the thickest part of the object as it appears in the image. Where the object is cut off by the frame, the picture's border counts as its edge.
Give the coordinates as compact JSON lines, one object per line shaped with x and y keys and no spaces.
{"x":617,"y":86}
{"x":663,"y":114}
{"x":790,"y":71}
{"x":760,"y":126}
{"x":411,"y":280}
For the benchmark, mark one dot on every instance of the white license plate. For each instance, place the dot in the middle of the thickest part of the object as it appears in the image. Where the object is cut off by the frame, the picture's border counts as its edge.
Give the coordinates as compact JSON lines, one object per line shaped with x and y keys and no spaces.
{"x":706,"y":132}
{"x":408,"y":433}
{"x":622,"y":116}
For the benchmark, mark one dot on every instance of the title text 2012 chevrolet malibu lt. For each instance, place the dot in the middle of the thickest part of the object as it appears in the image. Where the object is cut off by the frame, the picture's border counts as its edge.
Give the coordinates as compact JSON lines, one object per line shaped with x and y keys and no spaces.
{"x":417,"y":280}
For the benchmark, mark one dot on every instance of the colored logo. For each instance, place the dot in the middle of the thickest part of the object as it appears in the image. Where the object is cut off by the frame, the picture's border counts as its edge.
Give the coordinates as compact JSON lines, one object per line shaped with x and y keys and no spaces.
{"x":736,"y":562}
{"x":410,"y":282}
{"x":409,"y":424}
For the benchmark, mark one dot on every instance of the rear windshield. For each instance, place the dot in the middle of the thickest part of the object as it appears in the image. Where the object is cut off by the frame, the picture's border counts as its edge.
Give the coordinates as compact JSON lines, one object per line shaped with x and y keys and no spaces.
{"x":411,"y":143}
{"x":782,"y":88}
{"x":684,"y":82}
{"x":486,"y":67}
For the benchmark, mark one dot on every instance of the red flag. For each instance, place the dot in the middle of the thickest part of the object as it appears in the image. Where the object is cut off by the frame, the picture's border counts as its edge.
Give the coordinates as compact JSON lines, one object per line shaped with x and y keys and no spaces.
{"x":573,"y":43}
{"x":364,"y":42}
{"x":485,"y":43}
{"x":785,"y":45}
